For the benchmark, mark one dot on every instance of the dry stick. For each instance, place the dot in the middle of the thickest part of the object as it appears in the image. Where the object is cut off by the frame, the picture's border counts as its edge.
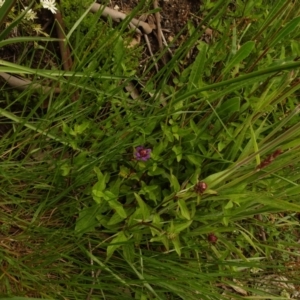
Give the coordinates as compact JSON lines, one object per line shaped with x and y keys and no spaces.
{"x":262,"y":231}
{"x":118,"y":16}
{"x":159,"y":30}
{"x":158,"y":25}
{"x":165,"y":43}
{"x":22,"y":84}
{"x":64,"y":48}
{"x":150,"y":50}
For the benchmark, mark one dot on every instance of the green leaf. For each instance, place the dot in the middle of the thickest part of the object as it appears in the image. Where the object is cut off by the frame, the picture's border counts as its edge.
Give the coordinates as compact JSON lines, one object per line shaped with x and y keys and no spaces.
{"x":278,"y":203}
{"x":184,"y":210}
{"x":228,"y":205}
{"x":80,"y":128}
{"x":116,"y":243}
{"x":242,"y":53}
{"x":229,"y":107}
{"x":117,"y":206}
{"x":225,"y":221}
{"x":128,"y":252}
{"x":285,"y":31}
{"x":65,"y":168}
{"x":124,"y":172}
{"x":195,"y":79}
{"x":176,"y":243}
{"x":118,"y":52}
{"x":196,"y":160}
{"x":98,"y":188}
{"x":177,"y":228}
{"x":174,"y":183}
{"x":100,"y":185}
{"x":87,"y":220}
{"x":217,"y":178}
{"x":178,"y":152}
{"x":115,"y":219}
{"x":67,"y":129}
{"x":144,"y":208}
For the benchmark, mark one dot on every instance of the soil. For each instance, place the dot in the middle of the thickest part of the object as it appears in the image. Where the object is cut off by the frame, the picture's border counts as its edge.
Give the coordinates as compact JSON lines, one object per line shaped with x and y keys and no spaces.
{"x":174,"y":13}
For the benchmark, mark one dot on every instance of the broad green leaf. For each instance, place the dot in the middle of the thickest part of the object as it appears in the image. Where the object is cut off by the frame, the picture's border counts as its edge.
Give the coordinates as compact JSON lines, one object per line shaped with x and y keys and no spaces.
{"x":143,"y":206}
{"x":196,"y":160}
{"x":225,"y":221}
{"x":228,"y":205}
{"x":176,"y":243}
{"x":180,"y":227}
{"x":215,"y":179}
{"x":178,"y":151}
{"x":195,"y":79}
{"x":101,"y":177}
{"x":174,"y":183}
{"x":98,"y":189}
{"x":116,"y":243}
{"x":65,"y":168}
{"x":242,"y":53}
{"x":184,"y":210}
{"x":118,"y":52}
{"x":117,"y":206}
{"x":229,"y":107}
{"x":163,"y":239}
{"x":87,"y":220}
{"x":124,"y":172}
{"x":128,"y":251}
{"x":80,"y":128}
{"x":67,"y":129}
{"x":115,"y":219}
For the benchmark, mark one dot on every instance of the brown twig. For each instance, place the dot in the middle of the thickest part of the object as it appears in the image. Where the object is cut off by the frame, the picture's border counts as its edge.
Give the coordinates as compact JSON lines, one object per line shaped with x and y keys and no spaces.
{"x":64,"y":48}
{"x":118,"y":16}
{"x":262,"y":231}
{"x":158,"y":25}
{"x":150,"y":51}
{"x":22,"y":84}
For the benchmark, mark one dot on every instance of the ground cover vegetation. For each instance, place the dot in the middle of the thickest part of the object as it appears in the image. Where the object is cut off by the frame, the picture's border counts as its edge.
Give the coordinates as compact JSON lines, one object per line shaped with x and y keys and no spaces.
{"x":126,"y":175}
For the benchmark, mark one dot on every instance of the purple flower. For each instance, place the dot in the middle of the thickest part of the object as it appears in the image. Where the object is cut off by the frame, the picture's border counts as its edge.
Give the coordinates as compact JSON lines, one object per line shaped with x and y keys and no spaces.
{"x":141,"y":153}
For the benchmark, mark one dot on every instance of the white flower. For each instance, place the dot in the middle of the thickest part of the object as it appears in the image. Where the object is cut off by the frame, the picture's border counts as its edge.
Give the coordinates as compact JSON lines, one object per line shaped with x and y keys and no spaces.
{"x":30,"y":15}
{"x":49,"y":4}
{"x":1,"y":2}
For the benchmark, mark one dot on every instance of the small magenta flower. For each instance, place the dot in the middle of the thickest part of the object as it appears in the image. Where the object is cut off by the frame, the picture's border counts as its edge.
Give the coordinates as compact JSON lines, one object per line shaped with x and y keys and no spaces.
{"x":141,"y":153}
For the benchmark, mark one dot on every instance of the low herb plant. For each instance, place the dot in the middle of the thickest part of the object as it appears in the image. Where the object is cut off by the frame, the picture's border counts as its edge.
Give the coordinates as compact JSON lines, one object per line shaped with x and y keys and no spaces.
{"x":189,"y":191}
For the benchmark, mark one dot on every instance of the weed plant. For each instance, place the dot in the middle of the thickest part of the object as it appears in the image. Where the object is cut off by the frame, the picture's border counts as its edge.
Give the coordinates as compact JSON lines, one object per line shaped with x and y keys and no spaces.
{"x":189,"y":191}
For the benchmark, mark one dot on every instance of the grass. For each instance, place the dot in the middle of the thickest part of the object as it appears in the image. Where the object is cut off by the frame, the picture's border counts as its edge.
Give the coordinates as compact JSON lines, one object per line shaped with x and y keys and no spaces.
{"x":214,"y":212}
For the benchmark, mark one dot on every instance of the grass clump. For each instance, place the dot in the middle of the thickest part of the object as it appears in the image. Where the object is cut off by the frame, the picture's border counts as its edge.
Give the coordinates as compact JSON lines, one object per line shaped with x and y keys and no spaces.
{"x":188,"y":191}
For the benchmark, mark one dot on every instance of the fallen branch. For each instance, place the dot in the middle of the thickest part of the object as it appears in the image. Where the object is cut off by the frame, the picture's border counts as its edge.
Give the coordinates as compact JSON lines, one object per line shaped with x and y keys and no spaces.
{"x":22,"y":84}
{"x":118,"y":16}
{"x":64,"y":48}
